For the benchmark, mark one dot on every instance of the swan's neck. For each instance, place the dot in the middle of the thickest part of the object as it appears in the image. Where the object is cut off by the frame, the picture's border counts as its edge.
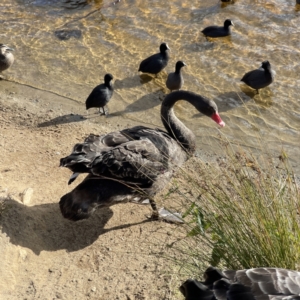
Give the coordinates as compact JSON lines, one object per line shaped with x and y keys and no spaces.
{"x":176,"y":129}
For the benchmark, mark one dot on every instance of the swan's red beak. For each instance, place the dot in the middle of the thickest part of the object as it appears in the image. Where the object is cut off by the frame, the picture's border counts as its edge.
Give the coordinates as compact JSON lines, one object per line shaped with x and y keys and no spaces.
{"x":216,"y":117}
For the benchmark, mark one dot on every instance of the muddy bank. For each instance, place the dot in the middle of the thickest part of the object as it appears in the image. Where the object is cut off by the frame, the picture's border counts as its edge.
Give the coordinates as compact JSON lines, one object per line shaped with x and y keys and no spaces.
{"x":109,"y":256}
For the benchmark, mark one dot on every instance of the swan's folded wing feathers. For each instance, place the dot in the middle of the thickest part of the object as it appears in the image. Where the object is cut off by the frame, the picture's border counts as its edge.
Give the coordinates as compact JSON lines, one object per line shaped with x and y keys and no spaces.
{"x":192,"y":289}
{"x":238,"y":291}
{"x":293,"y":282}
{"x":114,"y":139}
{"x":138,"y":160}
{"x":270,"y":281}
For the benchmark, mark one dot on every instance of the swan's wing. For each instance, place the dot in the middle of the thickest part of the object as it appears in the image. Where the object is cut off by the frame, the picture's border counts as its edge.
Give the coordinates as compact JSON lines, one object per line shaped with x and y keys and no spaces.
{"x":192,"y":289}
{"x":270,"y":281}
{"x":138,"y":160}
{"x":249,"y":284}
{"x":137,"y":153}
{"x":83,"y":154}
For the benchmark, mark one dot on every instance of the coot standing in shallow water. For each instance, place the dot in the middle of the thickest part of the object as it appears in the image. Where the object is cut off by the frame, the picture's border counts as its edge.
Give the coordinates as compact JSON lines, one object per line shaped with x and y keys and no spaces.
{"x":175,"y":79}
{"x":156,"y":62}
{"x":6,"y":57}
{"x":218,"y":31}
{"x":260,"y":78}
{"x":100,"y":95}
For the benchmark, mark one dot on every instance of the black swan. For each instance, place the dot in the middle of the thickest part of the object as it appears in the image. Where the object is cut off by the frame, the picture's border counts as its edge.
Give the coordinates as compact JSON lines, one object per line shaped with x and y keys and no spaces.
{"x":248,"y":284}
{"x":6,"y":57}
{"x":175,"y":79}
{"x":101,"y":95}
{"x":133,"y":164}
{"x":218,"y":31}
{"x":156,"y":62}
{"x":260,"y":78}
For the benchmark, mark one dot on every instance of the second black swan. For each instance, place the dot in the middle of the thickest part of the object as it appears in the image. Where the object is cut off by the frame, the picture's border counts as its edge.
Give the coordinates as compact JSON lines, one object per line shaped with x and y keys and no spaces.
{"x":247,"y":284}
{"x":133,"y":164}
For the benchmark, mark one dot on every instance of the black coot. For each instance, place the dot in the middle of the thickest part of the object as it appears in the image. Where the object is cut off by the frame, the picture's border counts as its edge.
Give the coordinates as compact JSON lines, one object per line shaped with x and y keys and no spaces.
{"x":175,"y":79}
{"x":157,"y":62}
{"x":100,"y":95}
{"x":259,"y":78}
{"x":218,"y":31}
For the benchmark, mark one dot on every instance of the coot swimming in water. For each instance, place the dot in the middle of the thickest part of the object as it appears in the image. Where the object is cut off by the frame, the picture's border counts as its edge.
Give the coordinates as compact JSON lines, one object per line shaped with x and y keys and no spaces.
{"x":218,"y":31}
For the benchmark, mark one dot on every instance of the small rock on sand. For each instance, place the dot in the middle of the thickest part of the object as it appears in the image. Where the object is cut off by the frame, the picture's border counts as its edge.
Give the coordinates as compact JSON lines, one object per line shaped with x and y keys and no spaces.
{"x":27,"y":195}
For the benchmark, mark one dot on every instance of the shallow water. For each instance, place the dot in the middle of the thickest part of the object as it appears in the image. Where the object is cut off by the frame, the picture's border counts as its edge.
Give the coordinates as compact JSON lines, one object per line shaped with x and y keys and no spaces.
{"x":66,"y":46}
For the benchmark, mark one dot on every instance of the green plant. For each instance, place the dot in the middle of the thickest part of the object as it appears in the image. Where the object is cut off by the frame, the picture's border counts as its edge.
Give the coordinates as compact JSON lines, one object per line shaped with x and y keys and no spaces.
{"x":242,"y":212}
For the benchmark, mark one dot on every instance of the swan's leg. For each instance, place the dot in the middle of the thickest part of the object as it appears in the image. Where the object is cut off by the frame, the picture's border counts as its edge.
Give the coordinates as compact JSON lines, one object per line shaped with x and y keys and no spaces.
{"x":164,"y":214}
{"x":155,"y":214}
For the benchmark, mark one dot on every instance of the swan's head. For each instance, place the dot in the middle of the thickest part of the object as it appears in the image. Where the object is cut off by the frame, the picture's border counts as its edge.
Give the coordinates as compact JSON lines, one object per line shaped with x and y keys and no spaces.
{"x":209,"y":108}
{"x":73,"y":207}
{"x":216,"y":117}
{"x":81,"y":202}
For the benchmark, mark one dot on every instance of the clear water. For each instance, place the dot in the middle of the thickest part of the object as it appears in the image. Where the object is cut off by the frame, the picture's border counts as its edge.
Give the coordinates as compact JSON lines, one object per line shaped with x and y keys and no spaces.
{"x":115,"y":38}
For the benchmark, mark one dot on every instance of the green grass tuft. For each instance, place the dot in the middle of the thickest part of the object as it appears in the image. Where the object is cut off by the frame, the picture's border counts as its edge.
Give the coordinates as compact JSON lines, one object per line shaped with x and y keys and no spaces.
{"x":242,"y":212}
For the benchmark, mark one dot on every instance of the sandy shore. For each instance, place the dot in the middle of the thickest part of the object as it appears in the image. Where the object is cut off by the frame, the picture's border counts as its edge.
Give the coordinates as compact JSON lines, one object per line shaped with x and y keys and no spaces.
{"x":110,"y":255}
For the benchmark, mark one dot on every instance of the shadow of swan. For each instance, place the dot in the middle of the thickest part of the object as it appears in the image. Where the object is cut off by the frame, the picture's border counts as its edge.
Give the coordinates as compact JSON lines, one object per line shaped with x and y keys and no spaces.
{"x":42,"y":227}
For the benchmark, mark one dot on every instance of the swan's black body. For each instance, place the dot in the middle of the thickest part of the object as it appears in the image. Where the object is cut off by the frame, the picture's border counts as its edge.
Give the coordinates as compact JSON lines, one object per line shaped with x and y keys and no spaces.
{"x":101,"y":95}
{"x":218,"y":31}
{"x":175,"y":79}
{"x":132,"y":164}
{"x":260,"y":78}
{"x":249,"y":284}
{"x":156,"y":62}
